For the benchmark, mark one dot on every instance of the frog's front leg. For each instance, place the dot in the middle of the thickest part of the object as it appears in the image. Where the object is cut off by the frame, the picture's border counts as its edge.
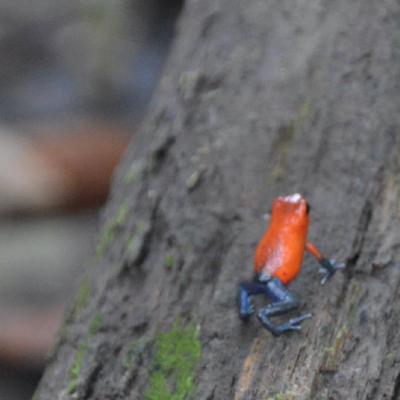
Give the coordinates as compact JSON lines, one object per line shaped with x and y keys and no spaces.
{"x":328,"y":265}
{"x":283,"y":302}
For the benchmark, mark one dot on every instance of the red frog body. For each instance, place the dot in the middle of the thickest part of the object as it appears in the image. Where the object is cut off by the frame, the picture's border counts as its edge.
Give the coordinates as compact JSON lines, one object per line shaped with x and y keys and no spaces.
{"x":278,"y":259}
{"x":280,"y":252}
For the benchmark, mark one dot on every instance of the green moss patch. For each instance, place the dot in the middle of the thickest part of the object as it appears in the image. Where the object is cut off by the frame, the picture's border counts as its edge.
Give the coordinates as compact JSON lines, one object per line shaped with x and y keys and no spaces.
{"x":83,"y":295}
{"x":108,"y":233}
{"x":76,"y":368}
{"x":95,"y":324}
{"x":169,"y":261}
{"x":333,"y":353}
{"x":177,"y":353}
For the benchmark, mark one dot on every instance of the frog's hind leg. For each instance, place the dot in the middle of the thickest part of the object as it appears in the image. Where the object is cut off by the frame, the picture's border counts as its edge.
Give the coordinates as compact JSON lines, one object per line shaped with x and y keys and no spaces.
{"x":283,"y":301}
{"x":247,"y":289}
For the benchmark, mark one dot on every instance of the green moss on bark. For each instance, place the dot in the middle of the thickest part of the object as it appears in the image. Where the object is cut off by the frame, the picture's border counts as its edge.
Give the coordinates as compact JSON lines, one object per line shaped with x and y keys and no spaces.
{"x":108,"y":233}
{"x":177,"y":353}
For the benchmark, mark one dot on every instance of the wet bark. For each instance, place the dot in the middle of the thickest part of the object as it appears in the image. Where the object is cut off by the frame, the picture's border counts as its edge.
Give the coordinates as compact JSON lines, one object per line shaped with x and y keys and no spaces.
{"x":259,"y":98}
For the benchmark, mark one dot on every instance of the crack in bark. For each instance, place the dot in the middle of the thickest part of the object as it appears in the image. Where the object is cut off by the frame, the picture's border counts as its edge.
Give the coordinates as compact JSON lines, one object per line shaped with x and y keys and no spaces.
{"x":211,"y":396}
{"x":396,"y":389}
{"x":357,"y":246}
{"x":391,"y":344}
{"x":160,"y":151}
{"x":299,"y":354}
{"x":365,"y":218}
{"x":91,"y":382}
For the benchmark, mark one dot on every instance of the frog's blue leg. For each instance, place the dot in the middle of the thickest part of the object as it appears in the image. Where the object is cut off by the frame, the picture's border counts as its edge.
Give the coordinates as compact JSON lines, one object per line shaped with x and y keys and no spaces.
{"x":283,"y":301}
{"x":247,"y":289}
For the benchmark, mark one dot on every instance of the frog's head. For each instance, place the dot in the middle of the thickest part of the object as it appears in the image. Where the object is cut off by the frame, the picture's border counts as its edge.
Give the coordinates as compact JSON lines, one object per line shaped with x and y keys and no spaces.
{"x":294,"y":206}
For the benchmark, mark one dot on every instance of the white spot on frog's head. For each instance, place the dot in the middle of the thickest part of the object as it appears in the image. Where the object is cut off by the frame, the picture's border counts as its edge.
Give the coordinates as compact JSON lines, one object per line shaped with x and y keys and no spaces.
{"x":293,"y":198}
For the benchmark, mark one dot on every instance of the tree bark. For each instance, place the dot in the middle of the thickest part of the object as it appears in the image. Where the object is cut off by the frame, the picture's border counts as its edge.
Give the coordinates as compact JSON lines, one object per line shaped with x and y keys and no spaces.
{"x":259,"y":98}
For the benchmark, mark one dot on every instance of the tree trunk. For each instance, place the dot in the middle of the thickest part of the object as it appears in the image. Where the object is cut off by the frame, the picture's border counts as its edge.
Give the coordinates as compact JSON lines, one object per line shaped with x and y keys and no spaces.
{"x":259,"y":98}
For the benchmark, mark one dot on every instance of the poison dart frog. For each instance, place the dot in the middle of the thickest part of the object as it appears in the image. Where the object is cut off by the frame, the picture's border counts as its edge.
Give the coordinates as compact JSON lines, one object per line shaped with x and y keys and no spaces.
{"x":277,"y":262}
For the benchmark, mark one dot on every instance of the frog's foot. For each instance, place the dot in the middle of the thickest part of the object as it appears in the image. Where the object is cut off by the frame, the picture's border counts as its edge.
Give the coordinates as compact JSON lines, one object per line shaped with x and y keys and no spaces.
{"x":246,"y":309}
{"x":246,"y":312}
{"x":294,"y":324}
{"x":329,"y":268}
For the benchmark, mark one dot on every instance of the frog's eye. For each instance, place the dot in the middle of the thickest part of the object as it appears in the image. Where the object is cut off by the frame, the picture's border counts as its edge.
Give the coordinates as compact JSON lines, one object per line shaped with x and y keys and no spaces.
{"x":308,"y":207}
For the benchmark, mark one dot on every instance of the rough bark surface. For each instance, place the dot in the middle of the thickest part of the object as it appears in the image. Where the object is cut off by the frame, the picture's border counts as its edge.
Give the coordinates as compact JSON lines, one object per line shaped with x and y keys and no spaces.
{"x":259,"y":98}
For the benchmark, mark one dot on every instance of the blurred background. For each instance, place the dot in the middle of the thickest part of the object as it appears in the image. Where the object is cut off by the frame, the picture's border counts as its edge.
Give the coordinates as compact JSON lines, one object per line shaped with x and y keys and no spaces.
{"x":76,"y":77}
